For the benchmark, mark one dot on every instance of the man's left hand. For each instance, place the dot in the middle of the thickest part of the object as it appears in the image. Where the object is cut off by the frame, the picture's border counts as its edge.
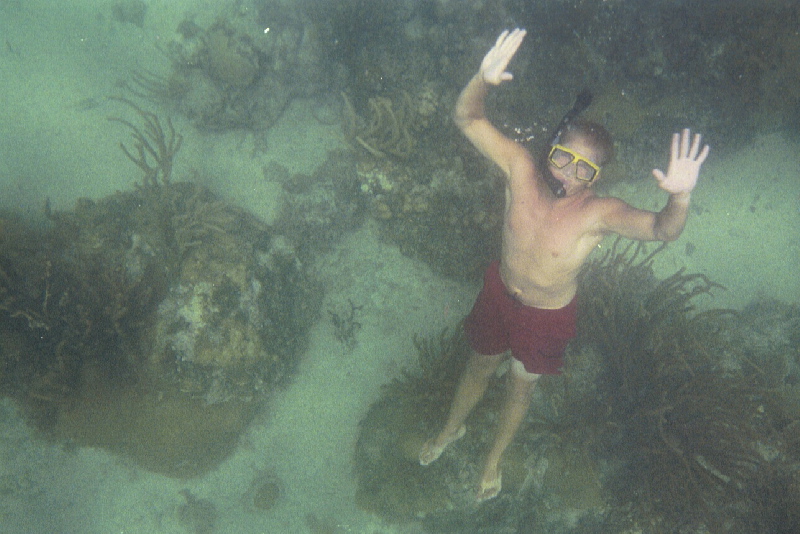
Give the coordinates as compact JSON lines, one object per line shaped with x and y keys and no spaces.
{"x":686,"y":157}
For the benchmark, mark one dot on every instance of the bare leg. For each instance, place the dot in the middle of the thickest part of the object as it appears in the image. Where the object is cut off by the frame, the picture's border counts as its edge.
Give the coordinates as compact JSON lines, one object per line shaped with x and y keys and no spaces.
{"x":519,"y":390}
{"x":470,"y":390}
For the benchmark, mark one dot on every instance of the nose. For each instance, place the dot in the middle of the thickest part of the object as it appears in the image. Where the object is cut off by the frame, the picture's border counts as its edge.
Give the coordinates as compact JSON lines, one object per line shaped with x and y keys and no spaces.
{"x":569,"y":170}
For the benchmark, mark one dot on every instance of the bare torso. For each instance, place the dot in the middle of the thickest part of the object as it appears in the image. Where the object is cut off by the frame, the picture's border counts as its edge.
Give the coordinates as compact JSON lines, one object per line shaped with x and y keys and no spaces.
{"x":545,"y":242}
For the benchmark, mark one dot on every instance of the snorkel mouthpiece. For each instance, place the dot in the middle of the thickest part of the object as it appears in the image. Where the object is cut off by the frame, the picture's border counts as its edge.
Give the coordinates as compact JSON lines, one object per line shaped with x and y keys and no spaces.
{"x":582,"y":101}
{"x":555,"y":186}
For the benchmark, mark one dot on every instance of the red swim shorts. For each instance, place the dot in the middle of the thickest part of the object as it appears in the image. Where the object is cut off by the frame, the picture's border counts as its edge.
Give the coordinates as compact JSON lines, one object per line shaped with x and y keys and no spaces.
{"x":536,"y":337}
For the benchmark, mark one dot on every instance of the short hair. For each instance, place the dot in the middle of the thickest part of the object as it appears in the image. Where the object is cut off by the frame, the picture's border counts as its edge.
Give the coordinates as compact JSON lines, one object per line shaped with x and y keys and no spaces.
{"x":593,"y":132}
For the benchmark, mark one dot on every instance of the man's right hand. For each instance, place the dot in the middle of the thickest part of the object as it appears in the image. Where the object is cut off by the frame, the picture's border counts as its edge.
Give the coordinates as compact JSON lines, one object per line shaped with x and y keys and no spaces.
{"x":493,"y":66}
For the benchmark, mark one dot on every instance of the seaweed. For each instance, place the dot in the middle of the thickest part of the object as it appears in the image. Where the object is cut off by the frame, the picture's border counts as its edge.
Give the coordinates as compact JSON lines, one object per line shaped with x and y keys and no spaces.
{"x":681,"y":427}
{"x":151,"y":142}
{"x":430,"y":387}
{"x":159,"y":89}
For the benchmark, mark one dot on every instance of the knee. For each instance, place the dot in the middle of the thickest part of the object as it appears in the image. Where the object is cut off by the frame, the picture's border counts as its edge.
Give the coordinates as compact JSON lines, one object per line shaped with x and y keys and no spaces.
{"x":482,"y":366}
{"x":524,"y":388}
{"x":521,"y":388}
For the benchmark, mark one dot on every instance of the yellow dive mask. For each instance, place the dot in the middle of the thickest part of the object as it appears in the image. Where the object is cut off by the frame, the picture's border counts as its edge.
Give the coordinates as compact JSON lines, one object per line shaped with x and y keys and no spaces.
{"x":585,"y":169}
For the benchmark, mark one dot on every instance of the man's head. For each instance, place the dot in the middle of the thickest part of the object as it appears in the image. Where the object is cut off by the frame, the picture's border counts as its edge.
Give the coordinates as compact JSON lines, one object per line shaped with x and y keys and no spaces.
{"x":577,"y":154}
{"x":592,"y":133}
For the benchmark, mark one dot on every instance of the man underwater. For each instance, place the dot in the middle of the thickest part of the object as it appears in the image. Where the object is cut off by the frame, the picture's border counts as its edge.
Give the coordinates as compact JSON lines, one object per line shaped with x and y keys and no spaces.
{"x":552,"y":222}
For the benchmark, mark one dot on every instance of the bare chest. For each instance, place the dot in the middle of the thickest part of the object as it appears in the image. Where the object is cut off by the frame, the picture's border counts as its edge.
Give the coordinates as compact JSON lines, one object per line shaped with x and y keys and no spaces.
{"x":545,"y":234}
{"x":549,"y":236}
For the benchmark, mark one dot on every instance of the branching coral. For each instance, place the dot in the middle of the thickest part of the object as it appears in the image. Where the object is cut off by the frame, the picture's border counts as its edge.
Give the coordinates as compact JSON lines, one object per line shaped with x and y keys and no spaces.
{"x":199,"y":217}
{"x":682,"y":429}
{"x":159,"y":89}
{"x":151,"y":142}
{"x":622,"y":288}
{"x":387,"y":130}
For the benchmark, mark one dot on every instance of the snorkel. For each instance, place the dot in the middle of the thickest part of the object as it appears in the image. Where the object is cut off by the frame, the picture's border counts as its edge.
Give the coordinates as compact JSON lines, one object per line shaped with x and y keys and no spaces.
{"x":582,"y":102}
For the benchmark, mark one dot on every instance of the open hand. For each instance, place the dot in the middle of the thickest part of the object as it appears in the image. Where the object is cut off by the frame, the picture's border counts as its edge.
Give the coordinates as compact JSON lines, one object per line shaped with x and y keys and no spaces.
{"x":493,"y":66}
{"x":685,"y":160}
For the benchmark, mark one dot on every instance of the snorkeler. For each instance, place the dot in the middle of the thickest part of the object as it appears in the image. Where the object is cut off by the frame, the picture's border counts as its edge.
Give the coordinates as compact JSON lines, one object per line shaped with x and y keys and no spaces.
{"x":552,"y":221}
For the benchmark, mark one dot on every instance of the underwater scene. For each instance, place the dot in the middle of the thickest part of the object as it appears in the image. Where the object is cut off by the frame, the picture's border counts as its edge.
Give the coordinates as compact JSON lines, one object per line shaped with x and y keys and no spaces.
{"x":239,"y":240}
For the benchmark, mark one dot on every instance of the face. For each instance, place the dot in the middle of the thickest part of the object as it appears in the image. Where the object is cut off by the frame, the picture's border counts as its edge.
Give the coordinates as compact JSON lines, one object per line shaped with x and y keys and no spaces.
{"x":569,"y":168}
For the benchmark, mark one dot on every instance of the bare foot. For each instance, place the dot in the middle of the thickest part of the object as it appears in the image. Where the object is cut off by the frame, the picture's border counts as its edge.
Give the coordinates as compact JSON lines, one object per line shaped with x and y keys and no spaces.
{"x":433,"y":448}
{"x":490,"y":486}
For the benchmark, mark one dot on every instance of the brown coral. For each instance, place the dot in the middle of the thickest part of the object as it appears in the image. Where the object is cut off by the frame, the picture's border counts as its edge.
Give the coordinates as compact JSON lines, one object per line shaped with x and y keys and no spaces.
{"x":155,"y":148}
{"x":229,"y":57}
{"x":385,"y":131}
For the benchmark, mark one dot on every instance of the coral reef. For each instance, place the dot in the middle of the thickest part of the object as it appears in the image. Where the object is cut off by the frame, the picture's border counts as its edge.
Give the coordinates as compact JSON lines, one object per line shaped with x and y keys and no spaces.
{"x":230,"y":57}
{"x":241,"y":71}
{"x":418,"y":180}
{"x":659,"y":421}
{"x":238,"y":302}
{"x":175,"y":303}
{"x":321,"y":208}
{"x":391,"y":126}
{"x":681,"y":429}
{"x":75,"y":294}
{"x":425,"y":210}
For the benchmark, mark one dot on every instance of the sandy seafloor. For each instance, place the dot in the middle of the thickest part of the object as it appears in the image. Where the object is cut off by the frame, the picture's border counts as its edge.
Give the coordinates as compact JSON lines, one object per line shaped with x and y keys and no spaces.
{"x":745,"y":235}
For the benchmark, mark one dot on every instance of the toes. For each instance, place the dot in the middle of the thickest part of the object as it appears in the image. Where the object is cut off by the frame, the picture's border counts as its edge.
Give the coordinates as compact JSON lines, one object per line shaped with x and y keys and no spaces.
{"x":490,"y":490}
{"x":430,"y":452}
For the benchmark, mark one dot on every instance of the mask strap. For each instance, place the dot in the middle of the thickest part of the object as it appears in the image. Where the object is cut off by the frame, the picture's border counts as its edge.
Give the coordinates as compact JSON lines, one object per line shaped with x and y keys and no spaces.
{"x":582,"y":101}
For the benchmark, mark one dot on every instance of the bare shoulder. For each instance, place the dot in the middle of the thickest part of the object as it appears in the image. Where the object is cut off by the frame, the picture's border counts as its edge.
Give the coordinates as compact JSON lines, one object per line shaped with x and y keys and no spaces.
{"x":521,"y":162}
{"x":524,"y":176}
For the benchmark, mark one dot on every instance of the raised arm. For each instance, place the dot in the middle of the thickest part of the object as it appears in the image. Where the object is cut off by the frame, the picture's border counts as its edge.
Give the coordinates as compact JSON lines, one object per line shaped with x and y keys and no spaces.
{"x":686,"y":158}
{"x":469,"y":114}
